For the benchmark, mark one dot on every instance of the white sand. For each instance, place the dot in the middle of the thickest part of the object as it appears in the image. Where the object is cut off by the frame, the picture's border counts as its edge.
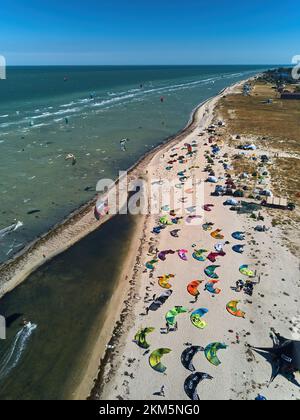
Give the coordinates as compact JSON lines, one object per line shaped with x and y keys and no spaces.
{"x":274,"y":303}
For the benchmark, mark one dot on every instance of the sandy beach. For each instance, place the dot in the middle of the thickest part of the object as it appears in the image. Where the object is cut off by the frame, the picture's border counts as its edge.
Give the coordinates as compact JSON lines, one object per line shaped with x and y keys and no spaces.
{"x":125,"y":372}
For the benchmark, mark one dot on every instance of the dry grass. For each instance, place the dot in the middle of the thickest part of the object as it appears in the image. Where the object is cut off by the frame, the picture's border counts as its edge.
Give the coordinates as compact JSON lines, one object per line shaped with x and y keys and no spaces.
{"x":279,"y":122}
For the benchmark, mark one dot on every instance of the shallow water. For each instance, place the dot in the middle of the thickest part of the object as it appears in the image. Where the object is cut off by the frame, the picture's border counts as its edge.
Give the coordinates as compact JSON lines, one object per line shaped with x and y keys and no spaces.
{"x":102,"y":105}
{"x":66,"y":299}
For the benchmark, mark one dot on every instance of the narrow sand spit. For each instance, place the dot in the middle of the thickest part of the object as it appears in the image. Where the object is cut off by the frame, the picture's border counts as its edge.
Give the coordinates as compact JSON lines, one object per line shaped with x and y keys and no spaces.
{"x":126,"y":373}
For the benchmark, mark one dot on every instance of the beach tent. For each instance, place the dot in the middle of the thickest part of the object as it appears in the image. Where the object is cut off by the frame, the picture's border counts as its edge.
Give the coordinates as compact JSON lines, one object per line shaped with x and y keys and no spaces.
{"x":196,"y":318}
{"x":140,"y":337}
{"x":284,"y":357}
{"x":232,"y":308}
{"x":155,"y":359}
{"x":211,"y":353}
{"x":192,"y":287}
{"x":173,"y":313}
{"x":210,"y":271}
{"x":191,"y":383}
{"x":210,"y":287}
{"x":188,"y":355}
{"x":160,"y":300}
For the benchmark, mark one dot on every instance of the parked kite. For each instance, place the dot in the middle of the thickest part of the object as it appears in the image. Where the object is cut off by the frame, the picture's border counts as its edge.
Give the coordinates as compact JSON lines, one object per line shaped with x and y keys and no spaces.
{"x":192,"y":287}
{"x":150,"y":264}
{"x":210,"y":287}
{"x":140,"y":337}
{"x":197,"y":316}
{"x":174,"y":233}
{"x":212,"y":257}
{"x":163,"y":281}
{"x":192,"y":382}
{"x":208,"y":207}
{"x":163,"y":254}
{"x":232,"y":308}
{"x":210,"y":271}
{"x":155,"y":359}
{"x":160,"y":301}
{"x":173,"y":313}
{"x":188,"y":355}
{"x":217,"y":234}
{"x":198,"y":254}
{"x":246,"y":271}
{"x":211,"y":353}
{"x":182,"y":254}
{"x":238,"y":248}
{"x":239,"y":236}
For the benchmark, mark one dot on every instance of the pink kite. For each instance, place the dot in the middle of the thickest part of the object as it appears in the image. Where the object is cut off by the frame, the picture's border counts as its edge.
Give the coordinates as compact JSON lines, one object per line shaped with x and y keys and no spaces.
{"x":182,"y":254}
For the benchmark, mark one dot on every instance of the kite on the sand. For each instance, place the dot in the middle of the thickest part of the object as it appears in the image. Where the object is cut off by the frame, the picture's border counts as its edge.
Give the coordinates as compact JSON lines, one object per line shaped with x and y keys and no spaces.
{"x":163,"y":254}
{"x":163,"y":281}
{"x":284,"y":357}
{"x":239,"y":236}
{"x":188,"y":355}
{"x":196,"y":318}
{"x":182,"y":254}
{"x":207,"y":226}
{"x":198,"y":254}
{"x":191,"y":383}
{"x":192,"y":287}
{"x":174,"y":233}
{"x":173,"y":313}
{"x":238,"y":248}
{"x":210,"y":271}
{"x":165,"y":221}
{"x":155,"y":359}
{"x":140,"y":337}
{"x":160,"y":300}
{"x":212,"y":257}
{"x":244,"y":269}
{"x":232,"y":308}
{"x":208,"y":207}
{"x":216,"y":234}
{"x":150,"y":264}
{"x":211,"y":352}
{"x":210,"y":287}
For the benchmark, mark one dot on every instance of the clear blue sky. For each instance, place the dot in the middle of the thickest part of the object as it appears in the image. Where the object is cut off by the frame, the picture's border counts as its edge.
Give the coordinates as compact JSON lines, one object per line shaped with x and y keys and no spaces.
{"x":149,"y":31}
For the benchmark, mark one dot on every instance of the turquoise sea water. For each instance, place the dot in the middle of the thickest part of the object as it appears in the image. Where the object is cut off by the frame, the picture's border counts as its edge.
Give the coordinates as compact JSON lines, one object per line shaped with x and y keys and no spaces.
{"x":102,"y":105}
{"x":66,"y":298}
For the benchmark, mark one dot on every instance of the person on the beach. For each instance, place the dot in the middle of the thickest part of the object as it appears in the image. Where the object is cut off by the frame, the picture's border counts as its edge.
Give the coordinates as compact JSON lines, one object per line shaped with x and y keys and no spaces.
{"x":162,"y":391}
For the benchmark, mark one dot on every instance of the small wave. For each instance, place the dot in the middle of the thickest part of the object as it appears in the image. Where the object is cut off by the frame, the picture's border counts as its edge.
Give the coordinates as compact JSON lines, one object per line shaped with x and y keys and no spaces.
{"x":4,"y":116}
{"x":12,"y":357}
